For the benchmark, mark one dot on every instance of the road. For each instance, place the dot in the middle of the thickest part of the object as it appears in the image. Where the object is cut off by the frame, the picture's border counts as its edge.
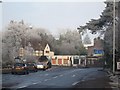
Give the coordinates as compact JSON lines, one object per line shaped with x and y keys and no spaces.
{"x":55,"y":77}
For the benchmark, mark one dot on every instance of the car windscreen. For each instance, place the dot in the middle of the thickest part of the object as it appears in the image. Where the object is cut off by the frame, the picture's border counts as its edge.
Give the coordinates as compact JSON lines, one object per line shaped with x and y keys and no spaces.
{"x":30,"y":64}
{"x":19,"y":64}
{"x":43,"y":59}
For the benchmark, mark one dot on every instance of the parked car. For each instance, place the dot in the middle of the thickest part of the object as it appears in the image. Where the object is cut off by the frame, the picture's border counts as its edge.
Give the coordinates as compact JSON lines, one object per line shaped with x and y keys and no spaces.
{"x":32,"y":67}
{"x":43,"y":63}
{"x":20,"y":68}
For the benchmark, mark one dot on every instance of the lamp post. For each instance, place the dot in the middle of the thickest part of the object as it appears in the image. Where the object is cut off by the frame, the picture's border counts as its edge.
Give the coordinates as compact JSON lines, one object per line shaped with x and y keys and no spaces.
{"x":113,"y":36}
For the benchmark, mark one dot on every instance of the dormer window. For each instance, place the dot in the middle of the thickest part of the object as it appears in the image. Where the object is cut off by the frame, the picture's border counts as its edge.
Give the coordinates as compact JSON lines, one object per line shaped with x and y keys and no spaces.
{"x":47,"y":51}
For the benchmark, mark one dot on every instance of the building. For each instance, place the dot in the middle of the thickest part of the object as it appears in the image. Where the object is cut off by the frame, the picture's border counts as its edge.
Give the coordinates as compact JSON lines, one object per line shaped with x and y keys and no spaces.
{"x":69,"y":60}
{"x":60,"y":60}
{"x":47,"y":51}
{"x":97,"y":48}
{"x":26,"y":53}
{"x":95,"y":53}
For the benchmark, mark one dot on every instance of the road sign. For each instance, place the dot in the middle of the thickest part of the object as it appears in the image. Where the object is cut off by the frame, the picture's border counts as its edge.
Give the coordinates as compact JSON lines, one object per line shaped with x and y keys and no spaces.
{"x":118,"y":65}
{"x":98,"y":52}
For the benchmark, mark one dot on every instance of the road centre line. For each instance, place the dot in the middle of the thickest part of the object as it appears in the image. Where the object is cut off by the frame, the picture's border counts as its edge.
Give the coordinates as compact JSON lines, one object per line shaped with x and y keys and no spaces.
{"x":73,"y":75}
{"x":55,"y":77}
{"x":61,"y":75}
{"x":75,"y":83}
{"x":34,"y":83}
{"x":46,"y":79}
{"x":22,"y":86}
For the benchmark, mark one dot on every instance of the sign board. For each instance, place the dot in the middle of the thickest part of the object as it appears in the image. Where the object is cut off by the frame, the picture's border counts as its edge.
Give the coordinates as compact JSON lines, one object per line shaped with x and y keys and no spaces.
{"x":98,"y":52}
{"x":118,"y":65}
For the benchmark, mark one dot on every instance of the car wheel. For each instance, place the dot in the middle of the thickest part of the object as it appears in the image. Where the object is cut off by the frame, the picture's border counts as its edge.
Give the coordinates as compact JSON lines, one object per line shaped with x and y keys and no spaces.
{"x":24,"y":72}
{"x":27,"y":72}
{"x":12,"y":72}
{"x":44,"y":69}
{"x":36,"y":70}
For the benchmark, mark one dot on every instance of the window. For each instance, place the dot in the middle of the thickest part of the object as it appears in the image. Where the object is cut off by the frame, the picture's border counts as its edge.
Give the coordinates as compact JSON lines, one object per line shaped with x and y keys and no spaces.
{"x":55,"y":57}
{"x":47,"y":51}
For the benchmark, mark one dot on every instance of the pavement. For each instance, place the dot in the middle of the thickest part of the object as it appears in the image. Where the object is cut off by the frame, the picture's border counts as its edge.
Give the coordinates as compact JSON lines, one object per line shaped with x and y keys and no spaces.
{"x":100,"y":82}
{"x":115,"y":78}
{"x":110,"y":82}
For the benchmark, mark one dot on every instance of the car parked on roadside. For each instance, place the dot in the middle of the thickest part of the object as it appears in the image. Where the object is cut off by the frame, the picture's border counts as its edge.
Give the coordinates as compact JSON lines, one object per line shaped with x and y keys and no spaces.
{"x":19,"y":68}
{"x":43,"y":63}
{"x":32,"y":67}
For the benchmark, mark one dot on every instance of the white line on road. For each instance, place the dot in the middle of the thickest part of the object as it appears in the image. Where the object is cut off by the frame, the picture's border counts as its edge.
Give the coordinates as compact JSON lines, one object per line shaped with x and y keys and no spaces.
{"x":73,"y":75}
{"x":46,"y":79}
{"x":55,"y":77}
{"x":22,"y":86}
{"x":34,"y":83}
{"x":61,"y":75}
{"x":75,"y":83}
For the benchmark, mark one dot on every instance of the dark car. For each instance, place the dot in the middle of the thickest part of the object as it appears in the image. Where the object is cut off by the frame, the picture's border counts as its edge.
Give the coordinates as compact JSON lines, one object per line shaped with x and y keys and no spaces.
{"x":44,"y":63}
{"x":32,"y":67}
{"x":19,"y":68}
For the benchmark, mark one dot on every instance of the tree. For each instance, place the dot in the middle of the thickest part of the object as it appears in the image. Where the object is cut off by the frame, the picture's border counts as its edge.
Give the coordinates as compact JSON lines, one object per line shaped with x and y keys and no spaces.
{"x":20,"y":35}
{"x":87,"y":40}
{"x":69,"y":43}
{"x":12,"y":40}
{"x":104,"y":25}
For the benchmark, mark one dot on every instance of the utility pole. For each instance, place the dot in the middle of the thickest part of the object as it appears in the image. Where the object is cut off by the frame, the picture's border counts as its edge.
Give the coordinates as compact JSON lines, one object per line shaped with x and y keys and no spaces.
{"x":114,"y":36}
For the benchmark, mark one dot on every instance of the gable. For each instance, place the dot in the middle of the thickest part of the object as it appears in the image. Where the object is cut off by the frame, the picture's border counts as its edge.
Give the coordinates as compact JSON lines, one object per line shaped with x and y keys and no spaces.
{"x":47,"y":48}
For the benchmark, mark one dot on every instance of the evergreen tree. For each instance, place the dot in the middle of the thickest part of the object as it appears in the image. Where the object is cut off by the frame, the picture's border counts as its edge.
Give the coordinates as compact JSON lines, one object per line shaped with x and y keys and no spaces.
{"x":87,"y":40}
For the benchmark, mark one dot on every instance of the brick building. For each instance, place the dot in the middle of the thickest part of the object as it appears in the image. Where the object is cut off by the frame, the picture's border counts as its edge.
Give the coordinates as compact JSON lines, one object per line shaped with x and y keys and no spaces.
{"x":93,"y":59}
{"x":98,"y":44}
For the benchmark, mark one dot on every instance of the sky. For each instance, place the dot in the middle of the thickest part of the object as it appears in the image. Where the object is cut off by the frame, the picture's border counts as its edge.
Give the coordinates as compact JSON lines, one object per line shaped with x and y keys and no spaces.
{"x":53,"y":16}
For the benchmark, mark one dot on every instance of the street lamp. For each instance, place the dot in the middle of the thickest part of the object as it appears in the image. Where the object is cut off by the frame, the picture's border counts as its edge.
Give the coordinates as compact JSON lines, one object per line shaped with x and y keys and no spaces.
{"x":114,"y":36}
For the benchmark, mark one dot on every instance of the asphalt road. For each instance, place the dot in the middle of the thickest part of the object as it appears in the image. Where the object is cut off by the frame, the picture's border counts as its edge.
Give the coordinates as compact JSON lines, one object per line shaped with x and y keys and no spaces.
{"x":55,"y":77}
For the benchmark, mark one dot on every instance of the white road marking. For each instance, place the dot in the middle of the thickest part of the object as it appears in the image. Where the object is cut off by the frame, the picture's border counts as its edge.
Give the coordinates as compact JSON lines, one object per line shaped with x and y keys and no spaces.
{"x":75,"y":83}
{"x":61,"y":75}
{"x":34,"y":83}
{"x":22,"y":75}
{"x":39,"y":82}
{"x":22,"y":86}
{"x":46,"y":79}
{"x":73,"y":75}
{"x":55,"y":77}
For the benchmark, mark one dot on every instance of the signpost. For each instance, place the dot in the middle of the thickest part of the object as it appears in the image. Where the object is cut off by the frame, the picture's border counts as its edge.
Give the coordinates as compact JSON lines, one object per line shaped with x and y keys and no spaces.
{"x":118,"y":65}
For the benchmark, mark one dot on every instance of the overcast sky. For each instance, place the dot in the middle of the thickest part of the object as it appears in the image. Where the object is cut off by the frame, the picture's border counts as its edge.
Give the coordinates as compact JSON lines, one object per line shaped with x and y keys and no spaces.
{"x":53,"y":16}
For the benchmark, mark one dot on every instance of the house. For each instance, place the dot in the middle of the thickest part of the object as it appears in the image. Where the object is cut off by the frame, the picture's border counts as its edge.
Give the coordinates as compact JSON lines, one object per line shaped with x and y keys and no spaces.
{"x":36,"y":53}
{"x":48,"y":52}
